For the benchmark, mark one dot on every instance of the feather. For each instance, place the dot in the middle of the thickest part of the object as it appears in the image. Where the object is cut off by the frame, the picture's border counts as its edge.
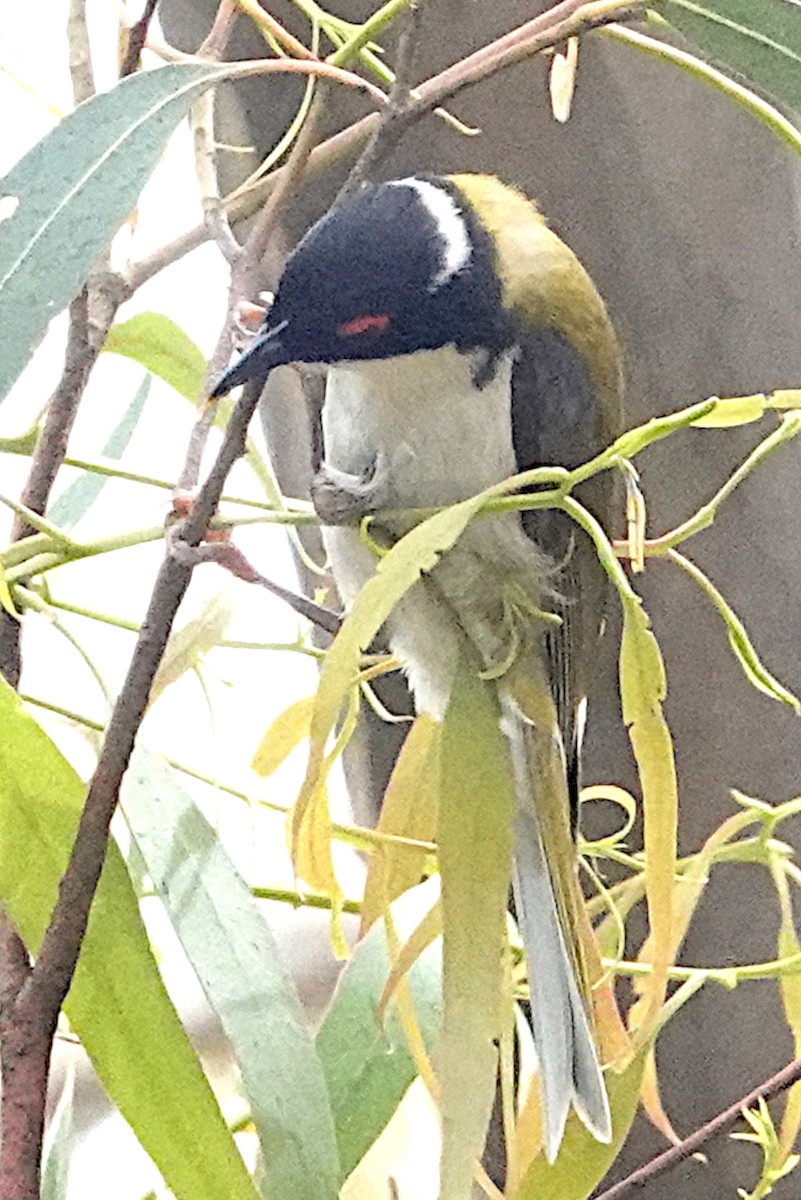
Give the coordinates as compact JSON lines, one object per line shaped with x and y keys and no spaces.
{"x":548,"y":904}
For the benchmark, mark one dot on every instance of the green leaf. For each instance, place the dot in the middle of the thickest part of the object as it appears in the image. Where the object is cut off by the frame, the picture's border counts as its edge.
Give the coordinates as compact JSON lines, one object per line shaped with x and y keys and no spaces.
{"x":239,"y":966}
{"x":163,"y":349}
{"x":6,"y":599}
{"x":733,"y":411}
{"x":117,"y":1003}
{"x":75,"y":188}
{"x":76,"y":500}
{"x":475,"y":855}
{"x":367,"y":1063}
{"x":187,"y":646}
{"x":759,"y":39}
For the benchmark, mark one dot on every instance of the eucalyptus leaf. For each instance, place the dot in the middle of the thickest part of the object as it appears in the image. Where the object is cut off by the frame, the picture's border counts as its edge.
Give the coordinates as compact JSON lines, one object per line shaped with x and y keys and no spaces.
{"x":742,"y":647}
{"x":76,"y":499}
{"x":643,"y":687}
{"x":74,"y":189}
{"x":758,"y":39}
{"x":475,"y":853}
{"x":163,"y":349}
{"x":239,"y":966}
{"x":367,"y":1063}
{"x":396,"y":573}
{"x":117,"y":1003}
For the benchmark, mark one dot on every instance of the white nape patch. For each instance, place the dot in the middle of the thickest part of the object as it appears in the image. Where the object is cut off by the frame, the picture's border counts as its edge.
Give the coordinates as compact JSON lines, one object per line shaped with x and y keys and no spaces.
{"x":450,"y":224}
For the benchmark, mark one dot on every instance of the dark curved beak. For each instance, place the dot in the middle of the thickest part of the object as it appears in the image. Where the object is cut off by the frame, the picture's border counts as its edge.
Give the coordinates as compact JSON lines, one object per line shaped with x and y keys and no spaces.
{"x":269,"y":350}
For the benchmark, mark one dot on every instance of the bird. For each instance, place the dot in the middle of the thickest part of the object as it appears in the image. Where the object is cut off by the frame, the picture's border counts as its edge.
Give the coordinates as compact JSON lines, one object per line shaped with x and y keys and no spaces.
{"x":465,"y":342}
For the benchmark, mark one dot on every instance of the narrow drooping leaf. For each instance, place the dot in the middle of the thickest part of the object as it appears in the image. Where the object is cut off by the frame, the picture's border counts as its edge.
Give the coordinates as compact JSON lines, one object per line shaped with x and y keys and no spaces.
{"x":475,"y":848}
{"x":73,"y":191}
{"x":76,"y":500}
{"x":285,"y":733}
{"x":759,"y":39}
{"x":117,"y":1003}
{"x":245,"y":980}
{"x":642,"y":689}
{"x":163,"y":349}
{"x":408,"y":810}
{"x":367,"y":1062}
{"x":790,"y":985}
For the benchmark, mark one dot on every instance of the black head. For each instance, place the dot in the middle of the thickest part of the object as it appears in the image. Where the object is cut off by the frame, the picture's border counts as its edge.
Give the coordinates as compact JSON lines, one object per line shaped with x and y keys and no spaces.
{"x":405,"y":266}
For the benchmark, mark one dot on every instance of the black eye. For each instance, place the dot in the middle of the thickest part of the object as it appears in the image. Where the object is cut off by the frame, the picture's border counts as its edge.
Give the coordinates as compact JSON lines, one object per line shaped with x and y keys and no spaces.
{"x":367,"y":323}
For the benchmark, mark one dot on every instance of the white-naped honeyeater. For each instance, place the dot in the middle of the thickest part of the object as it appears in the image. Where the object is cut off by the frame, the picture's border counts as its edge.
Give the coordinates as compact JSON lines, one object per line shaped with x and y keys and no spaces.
{"x":465,"y":343}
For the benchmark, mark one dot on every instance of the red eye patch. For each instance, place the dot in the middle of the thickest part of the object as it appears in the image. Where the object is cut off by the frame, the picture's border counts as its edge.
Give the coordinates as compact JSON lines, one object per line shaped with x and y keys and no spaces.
{"x":364,"y":324}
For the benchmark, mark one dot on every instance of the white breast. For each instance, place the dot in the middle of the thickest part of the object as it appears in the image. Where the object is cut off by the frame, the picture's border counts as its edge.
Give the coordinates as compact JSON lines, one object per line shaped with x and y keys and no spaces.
{"x":442,"y":439}
{"x":445,"y":439}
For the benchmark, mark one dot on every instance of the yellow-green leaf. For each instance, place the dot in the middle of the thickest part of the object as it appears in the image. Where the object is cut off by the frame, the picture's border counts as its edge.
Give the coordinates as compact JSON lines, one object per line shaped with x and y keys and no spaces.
{"x":286,"y":732}
{"x":475,"y":847}
{"x":6,"y":599}
{"x":186,"y":647}
{"x":790,"y":985}
{"x":163,"y":349}
{"x":754,"y":669}
{"x":426,"y":932}
{"x":396,"y":573}
{"x":732,"y":411}
{"x":117,"y":1003}
{"x":642,"y":689}
{"x":408,"y":810}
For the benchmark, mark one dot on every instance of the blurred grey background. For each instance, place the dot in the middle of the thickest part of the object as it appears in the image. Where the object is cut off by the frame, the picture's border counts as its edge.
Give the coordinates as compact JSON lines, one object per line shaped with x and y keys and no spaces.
{"x":685,"y":211}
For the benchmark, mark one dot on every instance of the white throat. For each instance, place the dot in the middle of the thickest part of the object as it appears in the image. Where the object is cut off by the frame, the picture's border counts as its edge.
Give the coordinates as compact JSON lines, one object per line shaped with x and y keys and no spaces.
{"x":443,"y":438}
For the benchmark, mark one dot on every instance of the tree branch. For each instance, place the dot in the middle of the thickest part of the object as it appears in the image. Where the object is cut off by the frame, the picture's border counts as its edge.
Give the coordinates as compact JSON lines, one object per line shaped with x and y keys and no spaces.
{"x":566,"y":19}
{"x":691,"y":1145}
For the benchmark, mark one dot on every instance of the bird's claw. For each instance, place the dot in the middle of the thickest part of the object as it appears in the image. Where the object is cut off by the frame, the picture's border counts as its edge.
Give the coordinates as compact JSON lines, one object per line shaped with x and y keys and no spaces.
{"x":341,"y":498}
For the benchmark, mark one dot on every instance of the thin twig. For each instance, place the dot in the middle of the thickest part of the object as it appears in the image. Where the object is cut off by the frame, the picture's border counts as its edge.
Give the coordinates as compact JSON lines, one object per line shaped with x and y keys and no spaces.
{"x":137,"y":36}
{"x":691,"y":1145}
{"x":266,"y":22}
{"x":244,"y":277}
{"x":548,"y":29}
{"x":26,"y":1030}
{"x":387,"y":133}
{"x":83,"y":82}
{"x":228,"y":556}
{"x":214,"y":214}
{"x":24,"y":1068}
{"x":214,"y":44}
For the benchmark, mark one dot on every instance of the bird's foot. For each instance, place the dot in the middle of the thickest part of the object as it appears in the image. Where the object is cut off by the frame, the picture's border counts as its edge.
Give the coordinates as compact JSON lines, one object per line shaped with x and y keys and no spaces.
{"x":340,"y":498}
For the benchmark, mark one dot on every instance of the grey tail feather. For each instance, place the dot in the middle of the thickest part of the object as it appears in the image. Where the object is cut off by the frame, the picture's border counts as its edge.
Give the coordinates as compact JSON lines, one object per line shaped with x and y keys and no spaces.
{"x":570,"y":1072}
